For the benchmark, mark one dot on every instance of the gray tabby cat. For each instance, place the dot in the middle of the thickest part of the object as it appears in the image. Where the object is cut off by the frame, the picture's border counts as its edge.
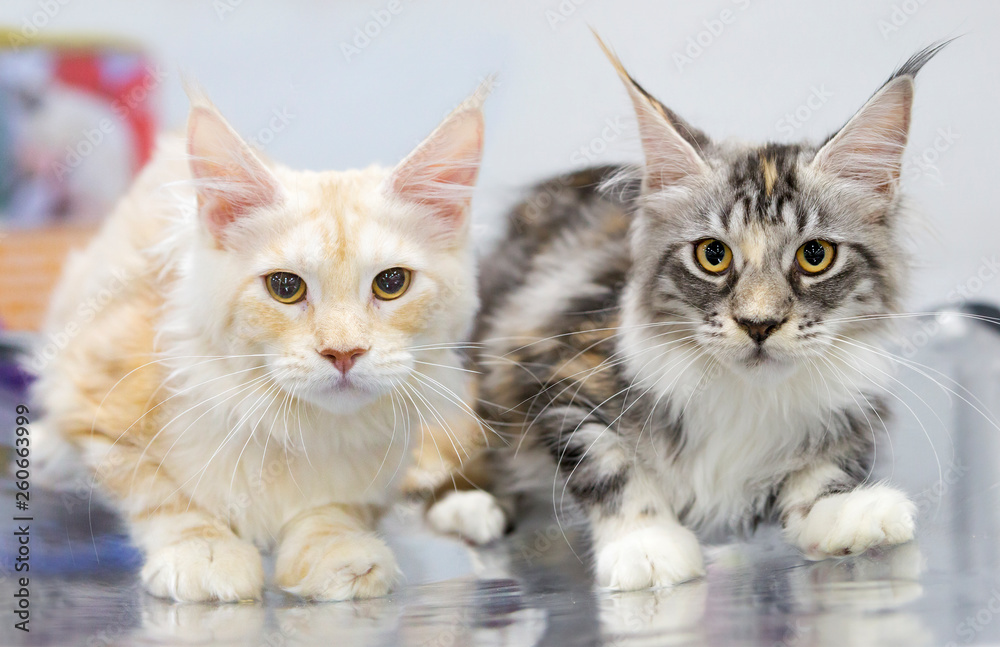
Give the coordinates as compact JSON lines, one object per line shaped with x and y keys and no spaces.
{"x":698,"y":352}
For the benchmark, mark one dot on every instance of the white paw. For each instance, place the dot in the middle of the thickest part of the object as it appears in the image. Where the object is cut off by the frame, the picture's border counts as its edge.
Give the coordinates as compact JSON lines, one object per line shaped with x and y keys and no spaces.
{"x":852,"y":522}
{"x":201,"y":569}
{"x":338,"y":567}
{"x":649,"y":558}
{"x":473,"y":515}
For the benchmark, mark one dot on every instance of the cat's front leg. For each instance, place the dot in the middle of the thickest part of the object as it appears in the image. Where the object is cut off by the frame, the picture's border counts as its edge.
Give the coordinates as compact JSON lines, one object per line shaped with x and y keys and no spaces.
{"x":638,"y":541}
{"x":826,"y":514}
{"x":333,"y":553}
{"x":192,"y":557}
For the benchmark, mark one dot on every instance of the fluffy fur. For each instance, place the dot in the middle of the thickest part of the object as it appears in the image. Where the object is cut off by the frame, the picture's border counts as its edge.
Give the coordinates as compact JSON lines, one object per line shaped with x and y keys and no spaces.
{"x":212,"y":414}
{"x":667,"y":402}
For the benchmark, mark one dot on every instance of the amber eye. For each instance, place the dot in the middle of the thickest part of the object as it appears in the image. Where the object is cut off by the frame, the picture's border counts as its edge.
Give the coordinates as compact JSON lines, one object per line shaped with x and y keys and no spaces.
{"x":392,"y":283}
{"x":815,"y":256}
{"x":286,"y":287}
{"x":713,"y":255}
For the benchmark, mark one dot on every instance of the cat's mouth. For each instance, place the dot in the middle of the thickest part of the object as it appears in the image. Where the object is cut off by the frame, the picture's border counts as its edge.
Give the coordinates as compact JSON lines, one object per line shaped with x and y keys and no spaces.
{"x":345,"y":384}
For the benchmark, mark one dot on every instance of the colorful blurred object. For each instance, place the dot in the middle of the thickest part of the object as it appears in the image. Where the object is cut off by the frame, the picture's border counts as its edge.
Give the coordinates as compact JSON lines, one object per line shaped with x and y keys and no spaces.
{"x":77,"y":122}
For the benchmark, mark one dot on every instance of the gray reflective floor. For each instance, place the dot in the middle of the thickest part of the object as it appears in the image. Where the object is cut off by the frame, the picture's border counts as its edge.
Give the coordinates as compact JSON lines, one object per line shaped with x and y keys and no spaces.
{"x":944,"y":588}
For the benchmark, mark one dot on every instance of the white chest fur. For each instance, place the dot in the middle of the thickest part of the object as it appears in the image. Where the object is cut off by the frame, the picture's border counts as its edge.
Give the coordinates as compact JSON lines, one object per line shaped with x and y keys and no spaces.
{"x":742,"y":435}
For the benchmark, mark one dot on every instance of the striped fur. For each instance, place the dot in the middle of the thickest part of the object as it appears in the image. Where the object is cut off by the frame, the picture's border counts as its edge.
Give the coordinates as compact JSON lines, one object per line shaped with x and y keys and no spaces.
{"x":622,"y":373}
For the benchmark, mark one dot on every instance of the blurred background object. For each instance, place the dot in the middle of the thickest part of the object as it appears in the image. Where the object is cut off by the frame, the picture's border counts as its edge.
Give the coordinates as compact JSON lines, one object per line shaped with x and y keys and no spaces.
{"x":77,"y":122}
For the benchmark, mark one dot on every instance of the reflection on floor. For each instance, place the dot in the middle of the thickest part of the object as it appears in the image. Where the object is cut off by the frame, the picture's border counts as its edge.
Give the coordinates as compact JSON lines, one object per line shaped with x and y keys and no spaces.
{"x":531,"y":589}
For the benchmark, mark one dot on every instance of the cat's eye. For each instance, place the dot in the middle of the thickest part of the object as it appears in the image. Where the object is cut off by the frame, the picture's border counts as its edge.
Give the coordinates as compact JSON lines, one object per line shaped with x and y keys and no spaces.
{"x":815,"y":256}
{"x":713,"y":255}
{"x":285,"y":287}
{"x":392,"y":283}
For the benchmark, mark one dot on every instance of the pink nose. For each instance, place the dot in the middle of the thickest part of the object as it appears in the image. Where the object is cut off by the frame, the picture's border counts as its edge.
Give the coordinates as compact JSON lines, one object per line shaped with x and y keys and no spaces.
{"x":343,"y":359}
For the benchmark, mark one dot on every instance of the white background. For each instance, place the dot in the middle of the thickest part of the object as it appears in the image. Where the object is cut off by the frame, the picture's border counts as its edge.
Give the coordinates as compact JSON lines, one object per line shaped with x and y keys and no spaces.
{"x":556,"y":94}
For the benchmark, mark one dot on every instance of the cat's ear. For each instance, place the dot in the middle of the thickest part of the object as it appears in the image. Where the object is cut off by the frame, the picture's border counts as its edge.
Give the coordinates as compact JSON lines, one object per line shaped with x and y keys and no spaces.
{"x":230,"y":179}
{"x":669,"y":144}
{"x":869,"y":149}
{"x":441,"y":172}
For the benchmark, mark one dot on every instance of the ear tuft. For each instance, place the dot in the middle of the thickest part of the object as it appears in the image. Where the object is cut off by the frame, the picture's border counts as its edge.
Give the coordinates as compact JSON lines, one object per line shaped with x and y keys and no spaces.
{"x":667,"y":141}
{"x":441,"y":172}
{"x":230,"y":179}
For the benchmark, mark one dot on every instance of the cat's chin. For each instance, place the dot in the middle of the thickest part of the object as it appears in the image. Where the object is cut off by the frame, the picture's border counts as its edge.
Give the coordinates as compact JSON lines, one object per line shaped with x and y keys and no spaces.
{"x":764,"y":367}
{"x":344,"y":397}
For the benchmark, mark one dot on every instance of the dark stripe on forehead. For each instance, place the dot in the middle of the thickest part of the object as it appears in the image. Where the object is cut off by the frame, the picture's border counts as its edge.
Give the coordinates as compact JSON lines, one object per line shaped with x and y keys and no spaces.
{"x":765,"y":179}
{"x":801,"y":218}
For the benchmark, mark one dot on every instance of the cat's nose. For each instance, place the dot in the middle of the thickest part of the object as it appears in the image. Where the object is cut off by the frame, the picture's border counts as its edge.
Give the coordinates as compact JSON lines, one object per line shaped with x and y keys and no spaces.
{"x":759,"y":330}
{"x":343,"y":359}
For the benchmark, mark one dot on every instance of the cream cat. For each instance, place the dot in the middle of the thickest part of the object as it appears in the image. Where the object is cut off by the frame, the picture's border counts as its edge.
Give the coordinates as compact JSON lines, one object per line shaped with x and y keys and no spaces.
{"x":251,"y":351}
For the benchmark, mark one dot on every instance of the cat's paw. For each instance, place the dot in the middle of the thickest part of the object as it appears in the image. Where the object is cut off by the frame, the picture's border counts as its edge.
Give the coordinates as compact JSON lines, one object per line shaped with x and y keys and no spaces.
{"x":338,"y":567}
{"x":651,"y":557}
{"x":852,"y":522}
{"x":473,"y":515}
{"x":200,"y":569}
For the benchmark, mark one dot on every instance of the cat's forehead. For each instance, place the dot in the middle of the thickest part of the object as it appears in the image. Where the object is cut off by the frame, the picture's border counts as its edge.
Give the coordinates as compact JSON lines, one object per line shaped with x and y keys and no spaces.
{"x":336,"y":219}
{"x":765,"y":196}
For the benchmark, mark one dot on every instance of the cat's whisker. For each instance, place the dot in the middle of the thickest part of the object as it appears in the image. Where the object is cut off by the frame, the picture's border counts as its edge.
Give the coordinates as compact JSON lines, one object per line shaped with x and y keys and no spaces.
{"x":453,"y":368}
{"x":161,"y":403}
{"x":604,"y":365}
{"x":684,"y":355}
{"x":273,"y":391}
{"x":920,"y":369}
{"x":389,"y":446}
{"x":445,"y":346}
{"x":289,"y":446}
{"x":263,"y":457}
{"x":300,"y":409}
{"x":444,"y":391}
{"x":239,"y":388}
{"x":406,"y":434}
{"x":405,"y":390}
{"x":540,"y":340}
{"x":664,"y":392}
{"x":846,"y":357}
{"x":247,"y":388}
{"x":208,"y":358}
{"x":233,"y":432}
{"x":871,"y":427}
{"x":614,"y":359}
{"x":442,"y":422}
{"x":913,"y":315}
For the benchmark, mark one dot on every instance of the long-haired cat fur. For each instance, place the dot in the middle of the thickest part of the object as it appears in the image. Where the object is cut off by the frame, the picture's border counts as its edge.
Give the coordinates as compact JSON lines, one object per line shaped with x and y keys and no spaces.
{"x":265,"y":346}
{"x":697,"y":350}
